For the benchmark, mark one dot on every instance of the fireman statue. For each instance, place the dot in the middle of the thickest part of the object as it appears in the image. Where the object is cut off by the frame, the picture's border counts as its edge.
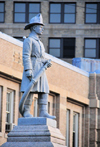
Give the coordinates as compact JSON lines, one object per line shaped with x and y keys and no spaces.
{"x":33,"y":61}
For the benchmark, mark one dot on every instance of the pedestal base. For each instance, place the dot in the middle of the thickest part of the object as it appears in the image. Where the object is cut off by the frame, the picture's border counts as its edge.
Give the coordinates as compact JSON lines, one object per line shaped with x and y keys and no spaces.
{"x":35,"y":132}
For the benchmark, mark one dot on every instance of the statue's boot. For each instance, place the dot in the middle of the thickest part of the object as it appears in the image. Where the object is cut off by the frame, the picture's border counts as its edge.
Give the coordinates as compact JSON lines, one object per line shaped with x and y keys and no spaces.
{"x":27,"y":106}
{"x":43,"y":101}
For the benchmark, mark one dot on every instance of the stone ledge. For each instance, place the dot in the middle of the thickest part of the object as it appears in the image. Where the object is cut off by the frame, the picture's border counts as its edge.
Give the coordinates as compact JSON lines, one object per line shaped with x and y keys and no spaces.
{"x":31,"y":144}
{"x":31,"y":128}
{"x":37,"y":121}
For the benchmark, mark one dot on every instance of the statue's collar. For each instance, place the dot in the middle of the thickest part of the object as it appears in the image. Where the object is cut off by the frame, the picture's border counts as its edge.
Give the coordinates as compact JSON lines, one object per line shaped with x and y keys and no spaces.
{"x":36,"y":38}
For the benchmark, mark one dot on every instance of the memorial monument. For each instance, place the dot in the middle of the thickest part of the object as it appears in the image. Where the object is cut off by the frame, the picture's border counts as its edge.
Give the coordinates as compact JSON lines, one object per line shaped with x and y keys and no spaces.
{"x":33,"y":61}
{"x":41,"y":131}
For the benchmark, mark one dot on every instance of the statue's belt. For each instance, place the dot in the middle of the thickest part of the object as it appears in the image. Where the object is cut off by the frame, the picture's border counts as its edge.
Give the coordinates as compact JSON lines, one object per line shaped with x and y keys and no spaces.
{"x":38,"y":59}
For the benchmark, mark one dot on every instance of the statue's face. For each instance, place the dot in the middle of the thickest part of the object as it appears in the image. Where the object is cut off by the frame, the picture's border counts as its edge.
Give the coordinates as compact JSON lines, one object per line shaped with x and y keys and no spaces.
{"x":39,"y":29}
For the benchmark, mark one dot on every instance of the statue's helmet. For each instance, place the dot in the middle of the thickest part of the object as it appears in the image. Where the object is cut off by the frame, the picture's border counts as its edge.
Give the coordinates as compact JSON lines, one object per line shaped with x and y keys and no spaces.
{"x":37,"y":20}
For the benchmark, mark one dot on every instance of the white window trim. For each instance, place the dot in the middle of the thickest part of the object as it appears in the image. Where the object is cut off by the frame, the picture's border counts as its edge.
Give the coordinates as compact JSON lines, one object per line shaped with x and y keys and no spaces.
{"x":1,"y":107}
{"x":11,"y":105}
{"x":35,"y":107}
{"x":67,"y":127}
{"x":76,"y":128}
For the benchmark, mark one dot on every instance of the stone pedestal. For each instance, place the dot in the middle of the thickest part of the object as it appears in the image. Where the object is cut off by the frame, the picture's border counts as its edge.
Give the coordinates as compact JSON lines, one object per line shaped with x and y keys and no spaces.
{"x":35,"y":132}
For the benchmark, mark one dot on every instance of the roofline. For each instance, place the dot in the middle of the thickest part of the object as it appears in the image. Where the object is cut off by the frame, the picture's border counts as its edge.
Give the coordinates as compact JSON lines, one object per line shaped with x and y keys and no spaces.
{"x":48,"y":56}
{"x":11,"y":39}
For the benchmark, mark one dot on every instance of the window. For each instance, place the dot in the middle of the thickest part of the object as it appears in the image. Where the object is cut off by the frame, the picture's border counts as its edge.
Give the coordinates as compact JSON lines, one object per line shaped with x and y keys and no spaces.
{"x":62,"y":47}
{"x":35,"y":107}
{"x":68,"y":127}
{"x":2,"y":12}
{"x":62,"y":12}
{"x":20,"y":38}
{"x":1,"y":88}
{"x":92,"y":48}
{"x":23,"y":12}
{"x":49,"y":107}
{"x":9,"y":109}
{"x":92,"y":13}
{"x":75,"y":130}
{"x":54,"y":47}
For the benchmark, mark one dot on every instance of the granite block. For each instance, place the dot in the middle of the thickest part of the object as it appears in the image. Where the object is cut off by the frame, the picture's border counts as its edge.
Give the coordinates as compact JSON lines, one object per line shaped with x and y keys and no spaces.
{"x":30,"y":128}
{"x":28,"y":144}
{"x":37,"y":121}
{"x":32,"y":144}
{"x":28,"y":134}
{"x":29,"y":139}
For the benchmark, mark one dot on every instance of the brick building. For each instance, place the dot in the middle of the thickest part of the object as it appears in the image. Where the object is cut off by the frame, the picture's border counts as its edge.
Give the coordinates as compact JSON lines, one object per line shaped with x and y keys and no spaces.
{"x":74,"y":96}
{"x":72,"y":28}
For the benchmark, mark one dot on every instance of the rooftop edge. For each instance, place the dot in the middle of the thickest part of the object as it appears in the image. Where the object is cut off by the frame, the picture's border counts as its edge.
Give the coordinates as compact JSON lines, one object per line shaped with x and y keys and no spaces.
{"x":48,"y":56}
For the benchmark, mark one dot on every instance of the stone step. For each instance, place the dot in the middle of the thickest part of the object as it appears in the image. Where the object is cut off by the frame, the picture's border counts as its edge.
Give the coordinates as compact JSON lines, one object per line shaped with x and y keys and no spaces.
{"x":29,"y":139}
{"x":31,"y":144}
{"x":30,"y":128}
{"x":30,"y":134}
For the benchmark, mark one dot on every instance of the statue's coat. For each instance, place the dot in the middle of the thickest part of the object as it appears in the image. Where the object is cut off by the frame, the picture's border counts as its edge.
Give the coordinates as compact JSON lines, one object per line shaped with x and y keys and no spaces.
{"x":33,"y":59}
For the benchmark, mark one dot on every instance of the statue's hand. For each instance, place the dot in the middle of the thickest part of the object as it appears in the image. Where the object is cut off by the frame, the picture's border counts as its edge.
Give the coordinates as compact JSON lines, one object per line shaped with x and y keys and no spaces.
{"x":49,"y":63}
{"x":29,"y":74}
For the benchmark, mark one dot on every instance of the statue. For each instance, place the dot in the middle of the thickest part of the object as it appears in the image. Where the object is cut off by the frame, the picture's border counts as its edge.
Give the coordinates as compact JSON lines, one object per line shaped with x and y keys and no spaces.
{"x":34,"y":78}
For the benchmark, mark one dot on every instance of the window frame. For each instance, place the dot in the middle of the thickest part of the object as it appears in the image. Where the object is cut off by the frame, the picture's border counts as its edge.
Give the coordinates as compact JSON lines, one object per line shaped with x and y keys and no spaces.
{"x":70,"y":13}
{"x":74,"y":47}
{"x":61,"y":46}
{"x":55,"y":13}
{"x":12,"y":107}
{"x":97,"y":47}
{"x":68,"y":127}
{"x":1,"y":97}
{"x":55,"y":48}
{"x":19,"y":12}
{"x":97,"y":14}
{"x":26,"y":10}
{"x":35,"y":107}
{"x":62,"y":12}
{"x":48,"y":107}
{"x":76,"y":143}
{"x":3,"y":12}
{"x":19,"y":38}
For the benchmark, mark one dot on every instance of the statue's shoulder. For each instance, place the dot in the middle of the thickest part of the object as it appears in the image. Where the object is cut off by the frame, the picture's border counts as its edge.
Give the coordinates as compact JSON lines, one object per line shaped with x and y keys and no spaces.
{"x":32,"y":38}
{"x":27,"y":41}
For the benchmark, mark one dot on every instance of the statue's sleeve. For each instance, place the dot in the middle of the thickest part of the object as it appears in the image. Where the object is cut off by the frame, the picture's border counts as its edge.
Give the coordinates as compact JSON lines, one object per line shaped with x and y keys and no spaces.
{"x":27,"y":48}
